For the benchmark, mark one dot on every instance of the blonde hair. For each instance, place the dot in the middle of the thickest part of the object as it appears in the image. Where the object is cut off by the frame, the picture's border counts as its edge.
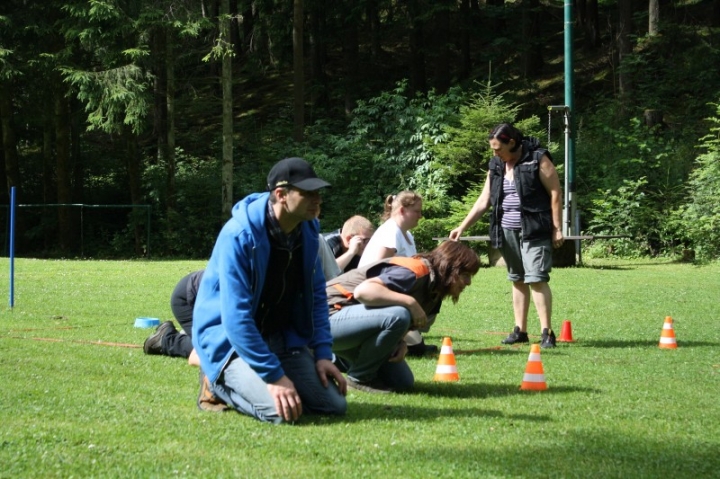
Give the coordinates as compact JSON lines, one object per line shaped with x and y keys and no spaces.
{"x":356,"y":225}
{"x":395,"y":202}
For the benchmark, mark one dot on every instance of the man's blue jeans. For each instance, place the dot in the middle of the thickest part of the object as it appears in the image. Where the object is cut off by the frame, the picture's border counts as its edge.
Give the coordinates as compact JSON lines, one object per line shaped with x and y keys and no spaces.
{"x":365,"y":337}
{"x":241,"y":388}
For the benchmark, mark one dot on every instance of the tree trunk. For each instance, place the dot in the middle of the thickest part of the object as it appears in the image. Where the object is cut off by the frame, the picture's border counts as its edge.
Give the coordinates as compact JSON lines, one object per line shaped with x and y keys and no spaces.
{"x":653,"y":17}
{"x":12,"y":167}
{"x":418,"y":82}
{"x":235,"y":39}
{"x":63,"y":172}
{"x":592,"y":25}
{"x":139,"y":216}
{"x":441,"y":52}
{"x":318,"y":55}
{"x":532,"y":52}
{"x":4,"y":197}
{"x":170,"y":124}
{"x":78,"y":167}
{"x":160,"y":71}
{"x":625,"y":11}
{"x":248,"y":27}
{"x":466,"y":26}
{"x":351,"y":51}
{"x":298,"y":72}
{"x":227,"y":120}
{"x":374,"y":24}
{"x":48,"y":182}
{"x":653,"y":118}
{"x":581,"y":11}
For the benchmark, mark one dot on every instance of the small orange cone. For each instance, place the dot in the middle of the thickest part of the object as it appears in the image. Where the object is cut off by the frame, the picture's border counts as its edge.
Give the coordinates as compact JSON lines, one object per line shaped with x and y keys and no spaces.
{"x":534,"y":377}
{"x":667,"y":336}
{"x":566,"y":333}
{"x":446,"y":369}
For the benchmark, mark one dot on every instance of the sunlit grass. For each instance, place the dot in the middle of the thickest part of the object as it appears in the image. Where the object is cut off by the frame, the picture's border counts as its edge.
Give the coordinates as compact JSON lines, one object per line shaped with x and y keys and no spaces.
{"x":80,"y":399}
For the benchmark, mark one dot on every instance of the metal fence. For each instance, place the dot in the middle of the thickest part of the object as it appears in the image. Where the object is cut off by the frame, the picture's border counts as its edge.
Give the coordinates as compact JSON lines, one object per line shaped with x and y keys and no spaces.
{"x":83,"y":208}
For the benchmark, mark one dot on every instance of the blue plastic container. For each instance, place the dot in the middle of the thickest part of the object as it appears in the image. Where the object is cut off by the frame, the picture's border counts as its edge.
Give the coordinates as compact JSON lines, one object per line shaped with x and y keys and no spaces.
{"x":146,"y":322}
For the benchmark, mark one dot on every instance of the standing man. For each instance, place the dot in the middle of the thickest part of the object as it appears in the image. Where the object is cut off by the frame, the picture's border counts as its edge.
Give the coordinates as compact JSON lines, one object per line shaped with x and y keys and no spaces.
{"x":260,"y":325}
{"x":523,"y":188}
{"x":348,"y":243}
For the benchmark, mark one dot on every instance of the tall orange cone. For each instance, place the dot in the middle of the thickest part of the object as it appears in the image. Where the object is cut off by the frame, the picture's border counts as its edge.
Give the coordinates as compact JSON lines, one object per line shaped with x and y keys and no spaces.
{"x":534,"y":377}
{"x":667,"y":336}
{"x":566,"y":333}
{"x":446,"y":369}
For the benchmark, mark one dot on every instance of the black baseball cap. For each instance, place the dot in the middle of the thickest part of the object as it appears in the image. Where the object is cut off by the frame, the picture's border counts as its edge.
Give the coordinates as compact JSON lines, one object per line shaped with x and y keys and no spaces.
{"x":294,"y":172}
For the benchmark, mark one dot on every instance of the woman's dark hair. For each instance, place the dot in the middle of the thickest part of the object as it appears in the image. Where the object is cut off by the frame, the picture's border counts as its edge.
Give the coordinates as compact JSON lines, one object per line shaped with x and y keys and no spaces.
{"x":505,"y":132}
{"x":450,"y":260}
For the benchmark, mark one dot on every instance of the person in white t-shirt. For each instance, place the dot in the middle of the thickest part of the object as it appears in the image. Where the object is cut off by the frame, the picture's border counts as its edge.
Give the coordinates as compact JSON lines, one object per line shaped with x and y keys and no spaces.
{"x":393,"y":238}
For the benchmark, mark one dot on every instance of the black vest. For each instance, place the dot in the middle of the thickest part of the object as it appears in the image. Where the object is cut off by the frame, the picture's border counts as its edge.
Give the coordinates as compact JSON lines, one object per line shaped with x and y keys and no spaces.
{"x":535,"y":207}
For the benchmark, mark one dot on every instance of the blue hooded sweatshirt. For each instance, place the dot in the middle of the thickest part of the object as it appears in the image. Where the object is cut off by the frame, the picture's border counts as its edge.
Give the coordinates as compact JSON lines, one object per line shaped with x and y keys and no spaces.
{"x":230,"y":290}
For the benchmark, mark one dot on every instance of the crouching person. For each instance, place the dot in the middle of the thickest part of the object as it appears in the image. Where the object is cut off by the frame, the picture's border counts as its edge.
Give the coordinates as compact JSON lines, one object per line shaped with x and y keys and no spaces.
{"x":260,"y":324}
{"x":372,"y":307}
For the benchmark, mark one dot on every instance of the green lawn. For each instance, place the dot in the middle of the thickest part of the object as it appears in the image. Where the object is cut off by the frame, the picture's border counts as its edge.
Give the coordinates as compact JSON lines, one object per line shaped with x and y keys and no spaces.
{"x":80,"y":399}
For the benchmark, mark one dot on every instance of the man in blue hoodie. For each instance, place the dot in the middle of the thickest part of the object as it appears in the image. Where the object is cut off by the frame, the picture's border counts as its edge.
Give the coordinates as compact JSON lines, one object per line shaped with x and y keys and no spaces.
{"x":260,"y":324}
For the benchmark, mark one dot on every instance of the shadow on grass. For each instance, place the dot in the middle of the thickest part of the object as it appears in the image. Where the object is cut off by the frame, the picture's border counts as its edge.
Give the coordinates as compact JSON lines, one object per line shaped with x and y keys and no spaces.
{"x":479,"y":391}
{"x":636,"y":343}
{"x":629,"y":266}
{"x":366,"y":411}
{"x":490,"y":350}
{"x":608,"y":267}
{"x":360,"y":412}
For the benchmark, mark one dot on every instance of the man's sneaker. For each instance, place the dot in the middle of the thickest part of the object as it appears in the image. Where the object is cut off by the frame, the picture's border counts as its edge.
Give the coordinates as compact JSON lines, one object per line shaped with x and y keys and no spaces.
{"x":153,"y":344}
{"x":516,"y":337}
{"x":207,"y":401}
{"x":421,"y":349}
{"x":548,"y":338}
{"x":374,"y":386}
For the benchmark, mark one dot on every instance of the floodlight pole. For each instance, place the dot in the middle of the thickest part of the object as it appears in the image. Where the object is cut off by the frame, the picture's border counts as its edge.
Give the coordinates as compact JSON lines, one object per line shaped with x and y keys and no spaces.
{"x":567,"y":229}
{"x":570,"y":201}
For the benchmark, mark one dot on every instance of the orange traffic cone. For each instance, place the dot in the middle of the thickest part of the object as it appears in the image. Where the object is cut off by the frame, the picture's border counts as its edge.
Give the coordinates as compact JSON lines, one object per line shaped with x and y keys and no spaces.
{"x":667,"y":336}
{"x":534,"y":377}
{"x":566,"y":333}
{"x":446,"y":369}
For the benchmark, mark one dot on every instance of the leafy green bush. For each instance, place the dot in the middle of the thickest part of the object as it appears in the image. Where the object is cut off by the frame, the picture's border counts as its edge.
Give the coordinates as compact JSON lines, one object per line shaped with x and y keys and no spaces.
{"x":386,"y":148}
{"x":701,"y":215}
{"x":190,"y":229}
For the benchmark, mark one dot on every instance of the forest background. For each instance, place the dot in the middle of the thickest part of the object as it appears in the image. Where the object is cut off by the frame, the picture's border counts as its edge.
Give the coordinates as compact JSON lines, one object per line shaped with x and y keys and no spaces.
{"x":158,"y":115}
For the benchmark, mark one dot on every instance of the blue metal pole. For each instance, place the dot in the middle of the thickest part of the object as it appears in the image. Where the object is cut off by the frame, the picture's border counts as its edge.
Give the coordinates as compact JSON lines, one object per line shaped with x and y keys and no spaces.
{"x":12,"y":247}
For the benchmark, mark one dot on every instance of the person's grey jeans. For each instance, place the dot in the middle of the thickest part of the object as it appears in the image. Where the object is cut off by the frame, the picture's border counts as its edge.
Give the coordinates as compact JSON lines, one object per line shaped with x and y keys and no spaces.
{"x":366,"y":337}
{"x":241,"y":388}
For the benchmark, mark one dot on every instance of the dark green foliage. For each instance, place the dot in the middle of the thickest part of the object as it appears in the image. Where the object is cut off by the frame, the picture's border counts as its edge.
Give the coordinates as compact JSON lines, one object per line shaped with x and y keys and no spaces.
{"x":191,"y":229}
{"x":638,"y":173}
{"x":650,"y":183}
{"x":701,"y":215}
{"x":465,"y":151}
{"x":387,"y":147}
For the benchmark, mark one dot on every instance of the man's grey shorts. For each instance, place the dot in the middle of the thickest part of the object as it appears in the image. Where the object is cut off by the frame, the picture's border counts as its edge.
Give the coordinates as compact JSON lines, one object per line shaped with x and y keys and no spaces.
{"x":528,"y":261}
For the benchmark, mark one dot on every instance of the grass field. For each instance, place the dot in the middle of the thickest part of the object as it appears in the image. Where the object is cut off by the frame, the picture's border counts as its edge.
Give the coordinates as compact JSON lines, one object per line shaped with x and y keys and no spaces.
{"x":80,"y":399}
